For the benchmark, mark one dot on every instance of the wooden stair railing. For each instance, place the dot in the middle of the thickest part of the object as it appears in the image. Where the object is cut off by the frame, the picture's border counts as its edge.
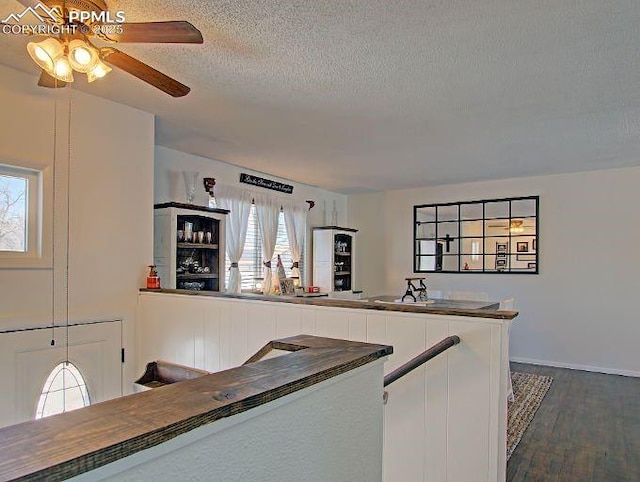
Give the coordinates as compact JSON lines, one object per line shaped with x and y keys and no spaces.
{"x":419,"y":360}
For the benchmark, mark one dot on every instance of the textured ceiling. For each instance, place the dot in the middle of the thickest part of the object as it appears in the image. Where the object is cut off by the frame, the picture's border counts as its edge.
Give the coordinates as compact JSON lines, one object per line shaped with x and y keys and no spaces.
{"x":375,"y":94}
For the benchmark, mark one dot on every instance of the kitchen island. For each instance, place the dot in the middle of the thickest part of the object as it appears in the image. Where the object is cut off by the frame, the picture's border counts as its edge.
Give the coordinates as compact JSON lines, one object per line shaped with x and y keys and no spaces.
{"x":489,"y":309}
{"x":452,"y":409}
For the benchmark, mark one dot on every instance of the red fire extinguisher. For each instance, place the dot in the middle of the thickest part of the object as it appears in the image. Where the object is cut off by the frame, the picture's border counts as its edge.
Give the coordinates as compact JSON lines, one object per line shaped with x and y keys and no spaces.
{"x":153,"y":280}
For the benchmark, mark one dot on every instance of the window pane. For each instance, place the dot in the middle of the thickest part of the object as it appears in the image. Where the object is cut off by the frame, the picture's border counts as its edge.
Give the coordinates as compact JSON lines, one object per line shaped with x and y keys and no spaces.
{"x":448,"y":213}
{"x":13,"y":213}
{"x":471,"y":211}
{"x":523,"y":207}
{"x":448,"y":230}
{"x":471,"y":228}
{"x":498,"y":209}
{"x":425,"y":214}
{"x":64,"y":390}
{"x":426,"y":230}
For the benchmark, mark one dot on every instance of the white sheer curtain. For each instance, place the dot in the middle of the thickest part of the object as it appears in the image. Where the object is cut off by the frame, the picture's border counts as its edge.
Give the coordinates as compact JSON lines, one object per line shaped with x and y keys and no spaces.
{"x":295,"y":220}
{"x":268,"y":211}
{"x":238,"y":202}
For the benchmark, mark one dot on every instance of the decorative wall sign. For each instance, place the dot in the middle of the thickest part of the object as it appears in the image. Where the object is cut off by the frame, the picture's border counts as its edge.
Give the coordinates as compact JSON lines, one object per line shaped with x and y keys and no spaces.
{"x":266,"y":183}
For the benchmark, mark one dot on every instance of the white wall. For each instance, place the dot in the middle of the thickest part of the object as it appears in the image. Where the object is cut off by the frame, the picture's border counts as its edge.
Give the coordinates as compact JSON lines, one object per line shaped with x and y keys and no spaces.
{"x":111,"y":203}
{"x":170,"y":186}
{"x":581,"y":310}
{"x":331,"y":431}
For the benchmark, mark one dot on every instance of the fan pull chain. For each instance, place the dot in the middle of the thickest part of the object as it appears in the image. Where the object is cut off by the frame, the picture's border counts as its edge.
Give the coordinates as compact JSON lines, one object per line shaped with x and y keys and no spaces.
{"x":68,"y":225}
{"x":53,"y":214}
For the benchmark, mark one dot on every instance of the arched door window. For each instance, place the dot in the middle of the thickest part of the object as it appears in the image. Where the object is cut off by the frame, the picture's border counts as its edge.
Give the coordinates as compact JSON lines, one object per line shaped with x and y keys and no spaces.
{"x":64,"y":390}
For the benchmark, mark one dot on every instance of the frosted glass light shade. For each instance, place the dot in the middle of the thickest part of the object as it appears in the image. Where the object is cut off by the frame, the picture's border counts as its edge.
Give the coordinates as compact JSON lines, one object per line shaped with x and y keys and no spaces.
{"x":82,"y":56}
{"x":46,"y":53}
{"x":62,"y":70}
{"x":100,"y":70}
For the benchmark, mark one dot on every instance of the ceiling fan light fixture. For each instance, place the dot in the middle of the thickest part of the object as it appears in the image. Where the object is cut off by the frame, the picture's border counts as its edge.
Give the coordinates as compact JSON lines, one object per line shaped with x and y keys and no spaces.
{"x":46,"y":53}
{"x":82,"y":56}
{"x":100,"y":70}
{"x":516,"y":226}
{"x":62,"y":70}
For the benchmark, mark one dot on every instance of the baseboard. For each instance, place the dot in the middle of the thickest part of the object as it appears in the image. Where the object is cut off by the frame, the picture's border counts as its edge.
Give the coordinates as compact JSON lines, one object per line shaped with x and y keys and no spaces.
{"x":571,"y":366}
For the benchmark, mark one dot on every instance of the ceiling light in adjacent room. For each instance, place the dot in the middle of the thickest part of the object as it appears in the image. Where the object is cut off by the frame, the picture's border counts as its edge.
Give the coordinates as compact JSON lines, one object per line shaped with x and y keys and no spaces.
{"x":516,"y":226}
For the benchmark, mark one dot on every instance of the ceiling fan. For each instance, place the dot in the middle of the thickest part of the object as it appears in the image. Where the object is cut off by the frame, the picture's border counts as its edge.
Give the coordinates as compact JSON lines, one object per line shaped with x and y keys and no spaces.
{"x":514,"y":226}
{"x":73,"y":50}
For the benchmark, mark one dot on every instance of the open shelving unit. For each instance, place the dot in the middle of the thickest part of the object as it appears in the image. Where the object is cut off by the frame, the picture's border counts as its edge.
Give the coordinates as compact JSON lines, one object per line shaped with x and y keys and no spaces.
{"x":333,"y":260}
{"x":183,"y":258}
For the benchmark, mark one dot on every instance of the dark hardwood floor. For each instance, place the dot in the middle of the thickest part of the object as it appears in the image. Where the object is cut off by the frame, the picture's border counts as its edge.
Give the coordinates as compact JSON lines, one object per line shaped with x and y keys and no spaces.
{"x":586,"y":429}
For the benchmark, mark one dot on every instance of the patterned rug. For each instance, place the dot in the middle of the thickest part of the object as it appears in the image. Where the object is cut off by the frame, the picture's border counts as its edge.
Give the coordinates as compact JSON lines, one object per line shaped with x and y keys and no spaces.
{"x":528,"y":392}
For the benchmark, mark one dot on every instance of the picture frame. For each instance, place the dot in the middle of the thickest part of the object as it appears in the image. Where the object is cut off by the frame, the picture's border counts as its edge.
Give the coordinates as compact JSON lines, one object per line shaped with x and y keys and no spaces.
{"x":532,"y":266}
{"x":501,"y":247}
{"x":286,"y":286}
{"x":522,"y":247}
{"x":526,"y":257}
{"x":501,"y":263}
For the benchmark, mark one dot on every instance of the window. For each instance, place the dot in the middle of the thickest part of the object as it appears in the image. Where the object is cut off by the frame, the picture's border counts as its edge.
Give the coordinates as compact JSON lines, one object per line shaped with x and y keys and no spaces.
{"x":250,"y":265}
{"x":19,"y":213}
{"x":64,"y":390}
{"x":488,"y":236}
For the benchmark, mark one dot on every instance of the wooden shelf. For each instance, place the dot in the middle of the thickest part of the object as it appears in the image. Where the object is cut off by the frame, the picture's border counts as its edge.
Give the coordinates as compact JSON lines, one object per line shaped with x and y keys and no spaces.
{"x":197,"y":276}
{"x":338,"y":253}
{"x":342,"y":273}
{"x":190,"y":207}
{"x":197,"y":246}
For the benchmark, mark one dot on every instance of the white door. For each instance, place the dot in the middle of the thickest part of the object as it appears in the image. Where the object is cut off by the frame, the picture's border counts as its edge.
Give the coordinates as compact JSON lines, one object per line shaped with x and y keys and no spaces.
{"x":27,"y":359}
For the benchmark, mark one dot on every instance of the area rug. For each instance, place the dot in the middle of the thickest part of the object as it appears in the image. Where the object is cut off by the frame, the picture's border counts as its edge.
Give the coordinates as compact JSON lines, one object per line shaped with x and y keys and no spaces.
{"x":528,"y":392}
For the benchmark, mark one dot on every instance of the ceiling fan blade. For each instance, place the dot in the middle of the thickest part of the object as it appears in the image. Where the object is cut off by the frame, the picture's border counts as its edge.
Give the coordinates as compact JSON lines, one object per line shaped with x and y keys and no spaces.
{"x":30,"y":3}
{"x":144,"y":72}
{"x":178,"y":31}
{"x":48,"y":81}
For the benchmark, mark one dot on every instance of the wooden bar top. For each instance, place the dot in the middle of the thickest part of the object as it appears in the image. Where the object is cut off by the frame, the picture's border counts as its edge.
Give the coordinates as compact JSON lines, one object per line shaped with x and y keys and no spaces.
{"x":66,"y":445}
{"x":478,"y":309}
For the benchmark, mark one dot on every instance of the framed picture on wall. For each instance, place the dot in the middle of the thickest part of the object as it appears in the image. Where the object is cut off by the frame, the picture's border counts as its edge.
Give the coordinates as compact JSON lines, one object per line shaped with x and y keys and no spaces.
{"x":522,"y":247}
{"x":526,"y":257}
{"x":501,"y":247}
{"x":531,"y":266}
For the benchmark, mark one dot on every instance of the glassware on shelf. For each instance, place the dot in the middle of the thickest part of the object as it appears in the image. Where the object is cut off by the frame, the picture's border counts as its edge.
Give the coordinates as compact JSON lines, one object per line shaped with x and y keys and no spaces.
{"x":190,"y":179}
{"x":188,"y":231}
{"x":334,"y":214}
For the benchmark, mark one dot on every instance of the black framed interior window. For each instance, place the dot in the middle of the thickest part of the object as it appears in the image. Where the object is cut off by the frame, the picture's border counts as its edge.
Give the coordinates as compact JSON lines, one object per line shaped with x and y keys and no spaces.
{"x":487,"y":236}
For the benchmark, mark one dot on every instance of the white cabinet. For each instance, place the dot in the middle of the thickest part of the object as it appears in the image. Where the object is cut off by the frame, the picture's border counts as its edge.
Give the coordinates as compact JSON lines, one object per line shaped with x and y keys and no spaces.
{"x":189,"y":246}
{"x":333,"y":258}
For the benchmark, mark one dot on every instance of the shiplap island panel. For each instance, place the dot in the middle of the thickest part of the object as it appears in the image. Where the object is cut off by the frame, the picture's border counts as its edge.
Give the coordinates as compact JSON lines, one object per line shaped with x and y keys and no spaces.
{"x":453,"y":409}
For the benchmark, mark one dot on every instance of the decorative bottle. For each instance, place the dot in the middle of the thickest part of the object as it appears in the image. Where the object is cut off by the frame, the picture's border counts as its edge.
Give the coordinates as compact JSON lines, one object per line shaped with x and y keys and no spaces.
{"x":280,"y":269}
{"x":334,"y":215}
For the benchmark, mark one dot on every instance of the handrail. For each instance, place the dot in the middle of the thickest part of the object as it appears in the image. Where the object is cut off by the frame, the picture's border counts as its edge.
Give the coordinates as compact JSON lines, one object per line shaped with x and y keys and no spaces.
{"x":422,"y":358}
